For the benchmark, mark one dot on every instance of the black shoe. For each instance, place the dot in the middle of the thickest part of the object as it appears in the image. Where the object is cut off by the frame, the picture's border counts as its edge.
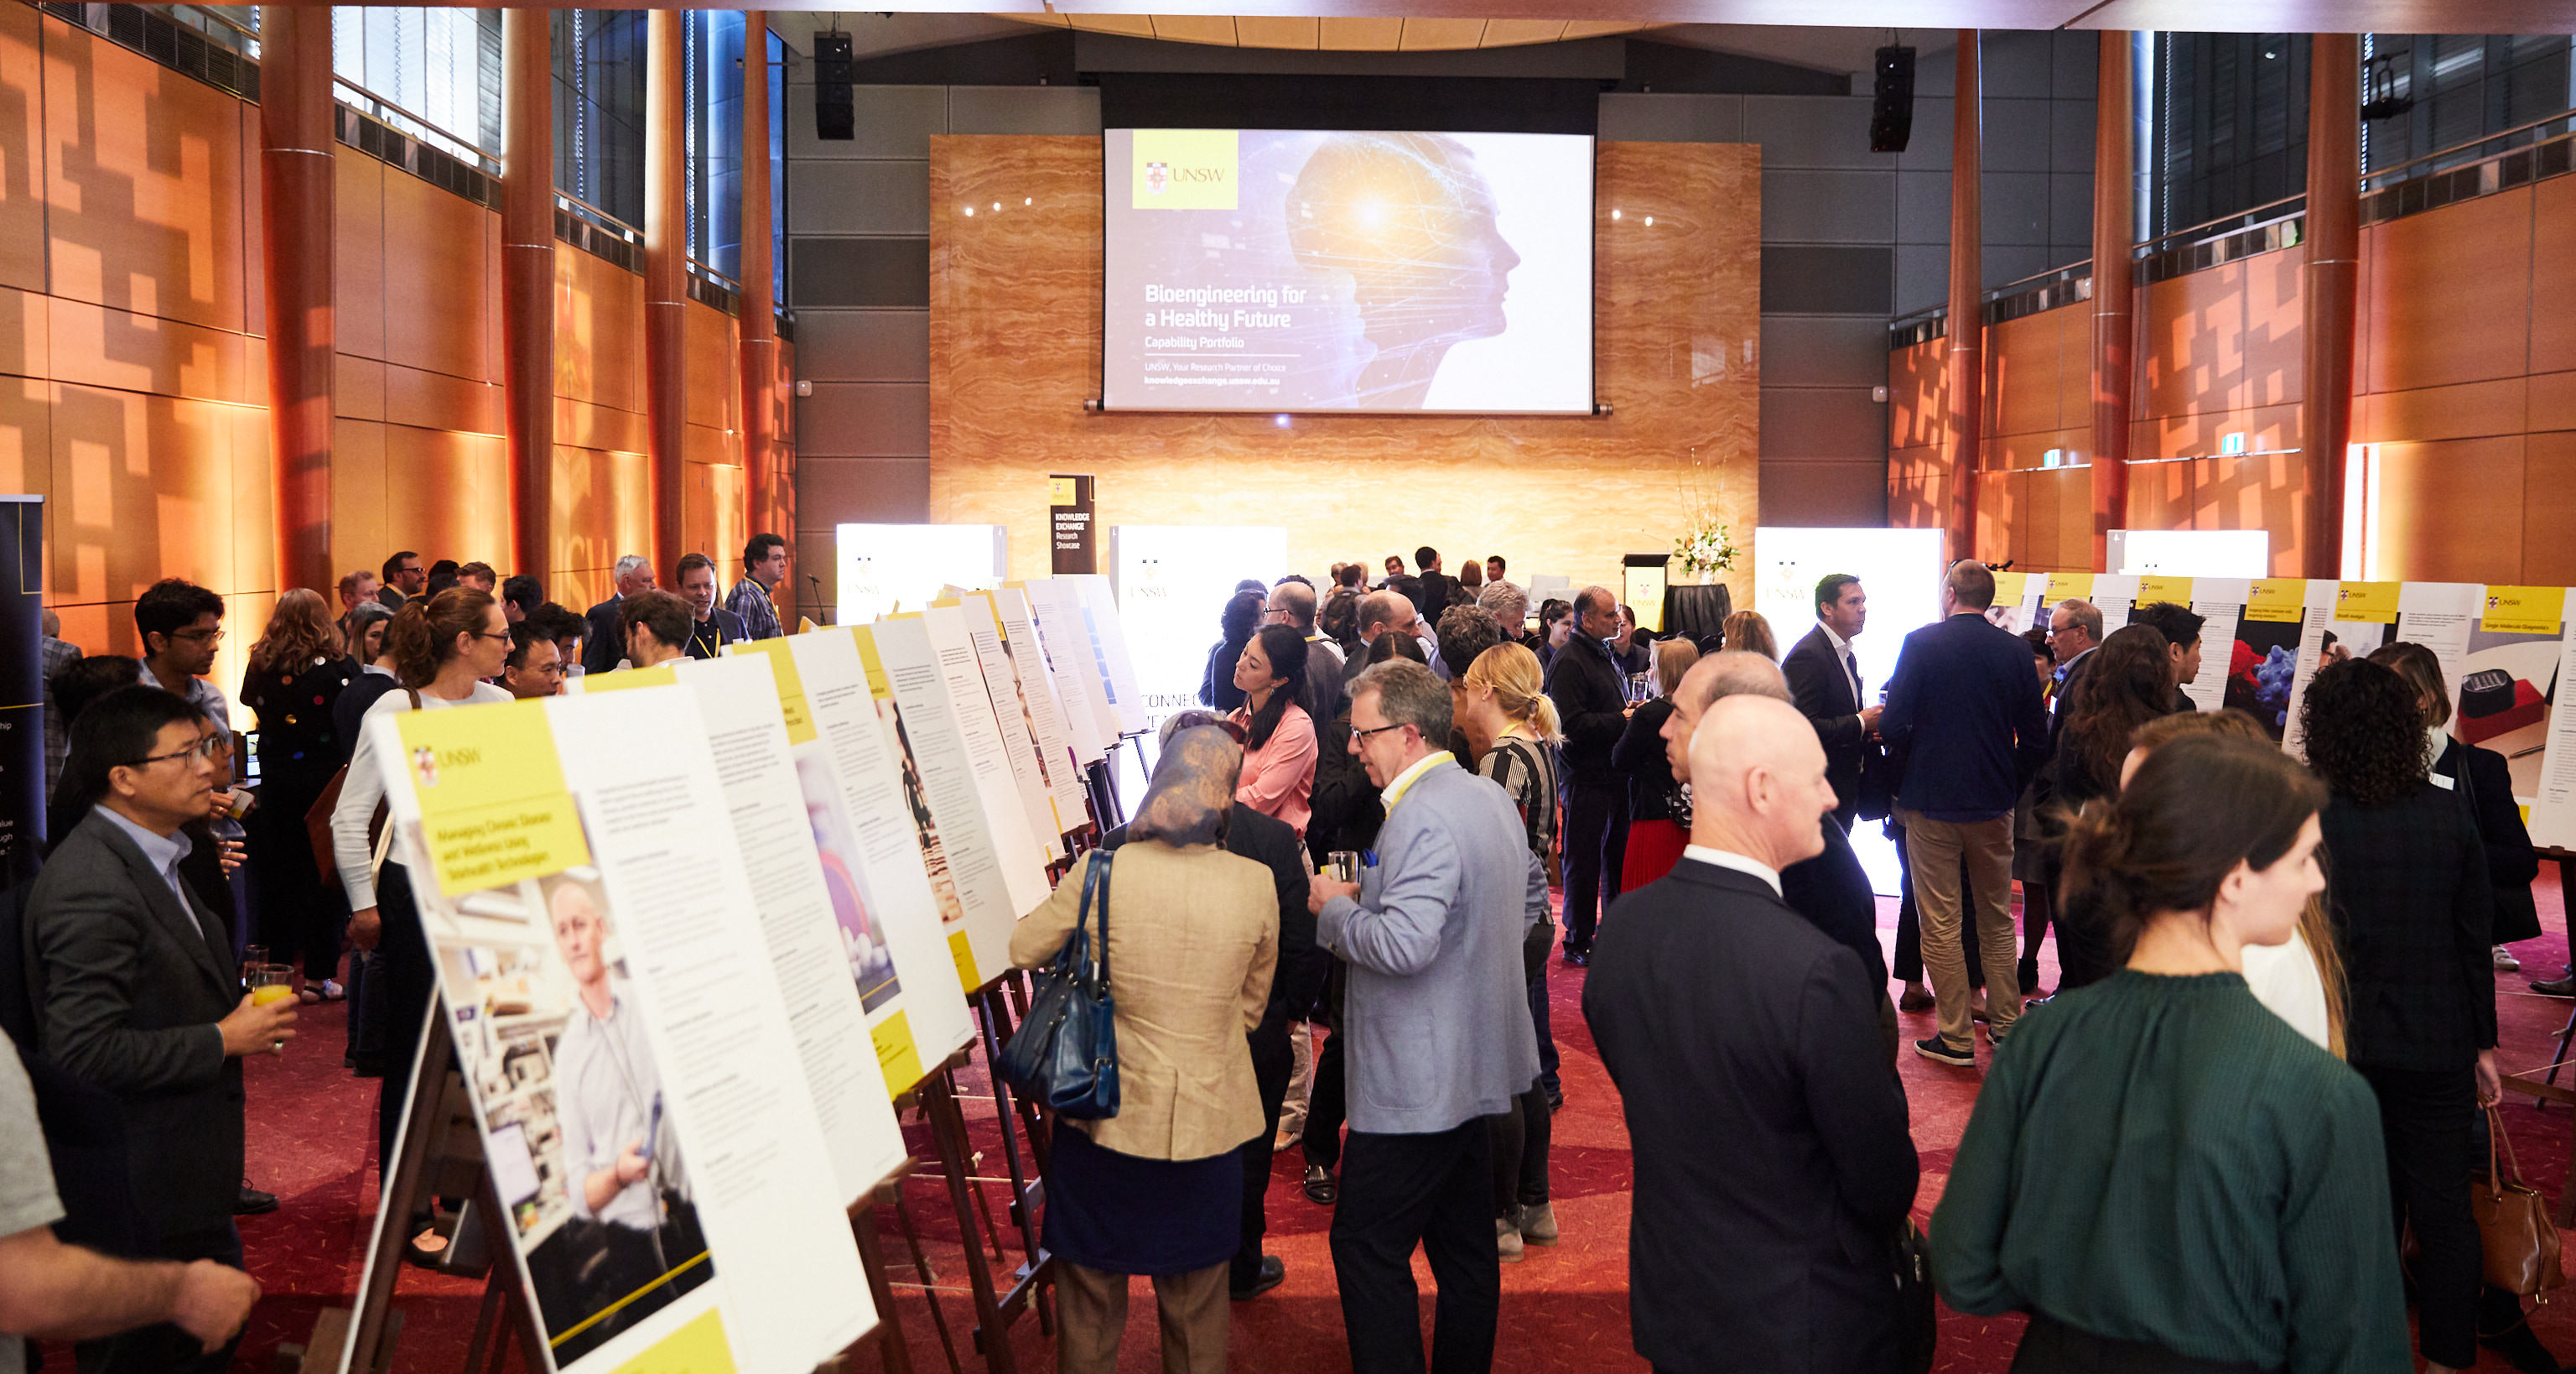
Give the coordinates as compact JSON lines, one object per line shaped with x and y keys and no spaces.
{"x":1555,"y":1101}
{"x":2028,"y":976}
{"x":253,"y":1202}
{"x":1941,"y":1051}
{"x":2522,"y":1349}
{"x":1274,"y":1272}
{"x":1578,"y":958}
{"x":2555,"y":987}
{"x":1320,"y":1186}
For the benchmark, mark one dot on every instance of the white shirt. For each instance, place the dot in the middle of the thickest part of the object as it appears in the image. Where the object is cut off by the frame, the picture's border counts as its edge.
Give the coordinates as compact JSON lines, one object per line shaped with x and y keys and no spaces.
{"x":1395,"y":786}
{"x":1725,"y":858}
{"x":1844,"y":656}
{"x":365,"y":786}
{"x":2285,"y":979}
{"x":605,"y":1085}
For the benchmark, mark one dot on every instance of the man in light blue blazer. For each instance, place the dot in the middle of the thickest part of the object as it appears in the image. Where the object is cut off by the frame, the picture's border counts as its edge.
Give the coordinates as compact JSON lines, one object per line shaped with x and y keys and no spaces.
{"x":1436,"y":1012}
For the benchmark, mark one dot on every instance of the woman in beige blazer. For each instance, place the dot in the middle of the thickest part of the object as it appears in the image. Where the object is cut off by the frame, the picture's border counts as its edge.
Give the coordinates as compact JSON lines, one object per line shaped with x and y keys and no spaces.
{"x":1158,"y":1188}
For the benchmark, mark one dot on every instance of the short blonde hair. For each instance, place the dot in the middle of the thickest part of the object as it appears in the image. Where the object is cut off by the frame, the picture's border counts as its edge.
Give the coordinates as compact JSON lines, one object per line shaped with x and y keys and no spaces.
{"x":1512,"y":674}
{"x":1673,"y":658}
{"x":1749,"y":632}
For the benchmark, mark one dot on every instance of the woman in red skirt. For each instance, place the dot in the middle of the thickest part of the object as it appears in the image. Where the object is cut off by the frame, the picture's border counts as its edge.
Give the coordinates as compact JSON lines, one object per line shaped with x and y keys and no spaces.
{"x":1658,"y":808}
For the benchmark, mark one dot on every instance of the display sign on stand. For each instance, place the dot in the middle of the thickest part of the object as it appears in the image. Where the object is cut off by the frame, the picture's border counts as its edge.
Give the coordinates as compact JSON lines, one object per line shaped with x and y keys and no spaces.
{"x":2190,"y":553}
{"x":885,"y":569}
{"x":22,"y":686}
{"x":1900,"y":570}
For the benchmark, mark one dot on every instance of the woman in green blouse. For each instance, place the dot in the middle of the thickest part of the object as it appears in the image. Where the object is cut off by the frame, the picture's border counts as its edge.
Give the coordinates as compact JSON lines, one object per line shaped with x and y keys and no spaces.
{"x":2163,"y":1174}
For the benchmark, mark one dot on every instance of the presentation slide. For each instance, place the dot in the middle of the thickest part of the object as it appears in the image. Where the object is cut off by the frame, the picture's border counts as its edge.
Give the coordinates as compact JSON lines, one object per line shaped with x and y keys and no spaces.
{"x":1296,"y":271}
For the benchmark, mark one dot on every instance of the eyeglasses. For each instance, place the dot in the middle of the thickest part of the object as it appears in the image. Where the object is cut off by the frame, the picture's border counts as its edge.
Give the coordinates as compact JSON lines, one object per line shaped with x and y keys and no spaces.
{"x":215,"y":636}
{"x":203,"y":749}
{"x":487,"y":634}
{"x":1357,"y":733}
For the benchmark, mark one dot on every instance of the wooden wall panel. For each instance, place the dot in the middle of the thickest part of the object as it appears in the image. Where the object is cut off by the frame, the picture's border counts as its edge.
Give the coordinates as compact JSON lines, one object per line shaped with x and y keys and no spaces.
{"x":2464,"y":411}
{"x":599,"y":323}
{"x":142,"y":490}
{"x":1917,"y":390}
{"x":2159,"y":496}
{"x":254,"y":510}
{"x":22,"y":187}
{"x":2451,"y":294}
{"x":358,"y":536}
{"x":2553,"y":275}
{"x":715,"y":383}
{"x":2260,"y":492}
{"x":99,"y":346}
{"x":438,"y":400}
{"x":143,"y":176}
{"x":2274,"y":355}
{"x":447,"y":494}
{"x":435,"y":270}
{"x":2433,"y":526}
{"x":25,"y":321}
{"x":26,"y":437}
{"x":1015,"y":319}
{"x":358,"y":253}
{"x":2061,"y":511}
{"x":2195,"y":343}
{"x":2548,"y":510}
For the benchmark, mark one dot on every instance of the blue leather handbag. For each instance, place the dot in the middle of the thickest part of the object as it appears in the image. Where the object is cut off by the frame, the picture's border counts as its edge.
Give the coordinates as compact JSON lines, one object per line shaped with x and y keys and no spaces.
{"x":1065,"y":1053}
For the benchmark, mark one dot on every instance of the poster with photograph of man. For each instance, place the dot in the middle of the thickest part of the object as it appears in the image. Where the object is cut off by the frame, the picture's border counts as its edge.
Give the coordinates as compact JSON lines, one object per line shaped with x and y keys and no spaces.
{"x":584,"y":1154}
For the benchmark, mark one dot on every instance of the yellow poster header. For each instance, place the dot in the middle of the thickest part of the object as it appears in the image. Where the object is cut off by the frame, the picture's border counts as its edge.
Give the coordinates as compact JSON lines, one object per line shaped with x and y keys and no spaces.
{"x":2524,"y":610}
{"x":493,"y":807}
{"x":2063,"y":586}
{"x":2154,"y":589}
{"x":2367,"y":602}
{"x":2280,"y":600}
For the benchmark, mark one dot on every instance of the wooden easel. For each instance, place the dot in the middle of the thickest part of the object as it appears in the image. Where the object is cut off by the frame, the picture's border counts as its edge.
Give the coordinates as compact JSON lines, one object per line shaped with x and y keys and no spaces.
{"x":441,"y":1154}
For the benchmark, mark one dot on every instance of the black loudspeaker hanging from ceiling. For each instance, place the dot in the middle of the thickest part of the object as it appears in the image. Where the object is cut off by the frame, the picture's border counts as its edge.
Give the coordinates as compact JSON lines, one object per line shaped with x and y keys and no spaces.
{"x":834,"y":116}
{"x":1891,"y":112}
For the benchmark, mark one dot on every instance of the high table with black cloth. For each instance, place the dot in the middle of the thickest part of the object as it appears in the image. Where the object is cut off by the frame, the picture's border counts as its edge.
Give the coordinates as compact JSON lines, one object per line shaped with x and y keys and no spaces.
{"x":1293,"y":990}
{"x":1696,"y":612}
{"x":1592,"y":706}
{"x":299,"y":749}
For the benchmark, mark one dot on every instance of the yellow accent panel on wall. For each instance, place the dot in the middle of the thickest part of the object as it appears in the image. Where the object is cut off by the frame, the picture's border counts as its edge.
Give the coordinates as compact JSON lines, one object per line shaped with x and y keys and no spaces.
{"x":1014,"y":352}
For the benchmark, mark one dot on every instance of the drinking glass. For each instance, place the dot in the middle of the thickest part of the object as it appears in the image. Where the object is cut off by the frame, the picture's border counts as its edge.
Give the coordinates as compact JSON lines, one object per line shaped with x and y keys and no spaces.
{"x":270,"y":984}
{"x":1344,"y":865}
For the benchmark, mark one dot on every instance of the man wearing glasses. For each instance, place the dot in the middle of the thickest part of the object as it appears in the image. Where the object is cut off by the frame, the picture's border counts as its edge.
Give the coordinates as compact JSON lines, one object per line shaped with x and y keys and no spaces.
{"x":2074,"y":630}
{"x":136,"y":992}
{"x":1292,"y":603}
{"x":182,"y":624}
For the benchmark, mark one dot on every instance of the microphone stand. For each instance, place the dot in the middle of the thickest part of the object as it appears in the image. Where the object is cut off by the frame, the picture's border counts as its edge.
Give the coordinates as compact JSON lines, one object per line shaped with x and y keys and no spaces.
{"x":819,"y":605}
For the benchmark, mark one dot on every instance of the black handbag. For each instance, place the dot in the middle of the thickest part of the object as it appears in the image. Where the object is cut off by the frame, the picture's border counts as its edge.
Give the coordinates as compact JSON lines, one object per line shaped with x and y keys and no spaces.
{"x":1065,"y":1053}
{"x":1918,"y":1326}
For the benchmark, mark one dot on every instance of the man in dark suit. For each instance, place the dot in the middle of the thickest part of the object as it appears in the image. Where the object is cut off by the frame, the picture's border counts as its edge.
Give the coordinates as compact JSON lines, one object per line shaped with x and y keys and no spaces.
{"x":1831,"y":890}
{"x":1965,"y":703}
{"x":136,"y":993}
{"x":1592,"y":707}
{"x":1824,"y":677}
{"x":1723,"y":1016}
{"x":1437,"y":587}
{"x":711,"y":627}
{"x":403,"y":579}
{"x":2074,"y":632}
{"x":606,"y":643}
{"x":1294,"y":987}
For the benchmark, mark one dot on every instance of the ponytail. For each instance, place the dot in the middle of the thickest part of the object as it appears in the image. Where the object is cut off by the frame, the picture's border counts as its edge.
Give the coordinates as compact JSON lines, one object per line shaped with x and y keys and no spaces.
{"x":1512,"y":674}
{"x":423,"y":636}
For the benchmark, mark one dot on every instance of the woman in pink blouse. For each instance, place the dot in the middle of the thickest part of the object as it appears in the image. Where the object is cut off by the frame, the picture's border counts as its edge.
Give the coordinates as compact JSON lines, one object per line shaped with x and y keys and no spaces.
{"x":1279,"y":737}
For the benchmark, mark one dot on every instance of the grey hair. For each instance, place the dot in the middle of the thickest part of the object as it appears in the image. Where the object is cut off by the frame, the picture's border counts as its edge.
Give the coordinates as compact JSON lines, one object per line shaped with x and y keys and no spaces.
{"x":2086,"y":614}
{"x":1407,"y":694}
{"x":1740,"y":673}
{"x":1508,"y":604}
{"x":630,"y":563}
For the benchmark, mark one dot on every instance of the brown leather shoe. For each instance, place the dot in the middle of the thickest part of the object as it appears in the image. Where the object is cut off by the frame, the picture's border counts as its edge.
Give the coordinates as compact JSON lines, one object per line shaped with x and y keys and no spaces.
{"x":1914,"y":999}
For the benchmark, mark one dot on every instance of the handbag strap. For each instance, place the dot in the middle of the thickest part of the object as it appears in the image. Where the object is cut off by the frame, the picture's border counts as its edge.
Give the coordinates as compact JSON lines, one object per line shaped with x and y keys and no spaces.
{"x":1095,"y":897}
{"x":2495,"y":1132}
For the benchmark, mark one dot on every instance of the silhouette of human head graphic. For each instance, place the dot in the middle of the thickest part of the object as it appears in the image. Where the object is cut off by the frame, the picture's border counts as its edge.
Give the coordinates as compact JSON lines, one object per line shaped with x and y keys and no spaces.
{"x":1410,"y":219}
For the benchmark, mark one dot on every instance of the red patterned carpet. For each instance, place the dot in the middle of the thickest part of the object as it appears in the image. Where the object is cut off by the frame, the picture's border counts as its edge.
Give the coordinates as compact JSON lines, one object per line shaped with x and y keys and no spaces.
{"x":1564,"y":1307}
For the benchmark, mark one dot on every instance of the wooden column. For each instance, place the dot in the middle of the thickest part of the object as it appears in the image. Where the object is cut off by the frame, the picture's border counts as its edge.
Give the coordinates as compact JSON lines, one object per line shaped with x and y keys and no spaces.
{"x":298,"y":209}
{"x":528,"y":281}
{"x":1966,"y":366}
{"x":2326,"y":291}
{"x":2114,"y":287}
{"x":772,"y":494}
{"x":666,"y":286}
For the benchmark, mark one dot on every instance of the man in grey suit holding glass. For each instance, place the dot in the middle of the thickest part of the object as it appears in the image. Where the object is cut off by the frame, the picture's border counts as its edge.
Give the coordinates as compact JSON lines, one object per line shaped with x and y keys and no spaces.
{"x":1437,"y":1016}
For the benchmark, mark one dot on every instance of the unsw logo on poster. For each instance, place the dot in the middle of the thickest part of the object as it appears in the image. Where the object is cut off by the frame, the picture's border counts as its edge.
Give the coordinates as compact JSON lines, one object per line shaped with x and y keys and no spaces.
{"x":1184,"y":169}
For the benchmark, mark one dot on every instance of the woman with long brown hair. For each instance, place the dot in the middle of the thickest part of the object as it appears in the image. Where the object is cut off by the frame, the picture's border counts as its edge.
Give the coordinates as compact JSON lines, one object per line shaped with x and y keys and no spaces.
{"x":2126,"y":683}
{"x":296,"y":674}
{"x":443,"y":647}
{"x":2162,"y":1173}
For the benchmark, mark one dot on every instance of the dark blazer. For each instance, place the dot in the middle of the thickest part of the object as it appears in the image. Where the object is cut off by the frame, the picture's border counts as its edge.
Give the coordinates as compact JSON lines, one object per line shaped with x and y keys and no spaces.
{"x":1639,"y":756}
{"x":2512,"y":865}
{"x":1723,"y":1016}
{"x":1966,"y":703}
{"x":1273,"y":844}
{"x":603,"y":645}
{"x":2414,"y":914}
{"x":1824,"y":696}
{"x":1591,"y":706}
{"x":1438,"y":590}
{"x":127,"y":988}
{"x":1346,"y":807}
{"x":728,"y":630}
{"x":1832,"y":891}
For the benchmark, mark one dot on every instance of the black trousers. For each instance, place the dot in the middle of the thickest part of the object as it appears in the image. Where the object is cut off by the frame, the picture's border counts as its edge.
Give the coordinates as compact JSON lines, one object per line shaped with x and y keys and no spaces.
{"x":164,"y":1348}
{"x":1908,"y":967}
{"x":1596,"y":843}
{"x":2426,"y":1118}
{"x":1326,"y":1107}
{"x":1520,"y":1139}
{"x":408,"y":981}
{"x":2052,"y":1347}
{"x":1272,"y":1062}
{"x":1399,"y":1191}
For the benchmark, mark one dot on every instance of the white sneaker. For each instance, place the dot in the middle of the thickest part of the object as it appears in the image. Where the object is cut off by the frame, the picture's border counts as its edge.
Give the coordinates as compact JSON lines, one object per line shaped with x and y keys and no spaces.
{"x":2505,"y":961}
{"x":1507,"y":1241}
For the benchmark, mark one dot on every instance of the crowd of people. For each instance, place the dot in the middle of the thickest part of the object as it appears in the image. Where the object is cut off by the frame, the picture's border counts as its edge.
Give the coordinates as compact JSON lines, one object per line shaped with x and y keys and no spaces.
{"x":186,"y":864}
{"x":1410,"y":803}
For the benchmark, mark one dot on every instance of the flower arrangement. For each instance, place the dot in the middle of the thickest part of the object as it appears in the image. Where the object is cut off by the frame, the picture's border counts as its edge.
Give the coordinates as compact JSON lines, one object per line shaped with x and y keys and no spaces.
{"x":1704,"y":549}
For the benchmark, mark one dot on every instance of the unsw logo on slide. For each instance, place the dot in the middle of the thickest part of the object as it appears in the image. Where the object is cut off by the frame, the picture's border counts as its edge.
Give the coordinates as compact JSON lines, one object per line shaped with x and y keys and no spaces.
{"x":1184,"y":169}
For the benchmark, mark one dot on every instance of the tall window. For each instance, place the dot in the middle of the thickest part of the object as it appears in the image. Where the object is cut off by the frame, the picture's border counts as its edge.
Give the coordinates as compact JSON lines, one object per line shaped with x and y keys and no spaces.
{"x":433,"y":73}
{"x":2459,"y":89}
{"x":2229,"y":129}
{"x":712,"y":42}
{"x":599,"y":110}
{"x":778,"y":168}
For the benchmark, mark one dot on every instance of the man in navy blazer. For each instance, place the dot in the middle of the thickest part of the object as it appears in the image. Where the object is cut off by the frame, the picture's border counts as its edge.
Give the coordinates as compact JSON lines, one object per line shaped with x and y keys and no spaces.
{"x":1773,"y":1163}
{"x":1964,"y":698}
{"x":1436,"y":1016}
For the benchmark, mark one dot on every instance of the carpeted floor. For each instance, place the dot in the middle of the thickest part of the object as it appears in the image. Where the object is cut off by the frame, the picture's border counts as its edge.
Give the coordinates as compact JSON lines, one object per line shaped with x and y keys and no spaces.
{"x":1564,"y":1307}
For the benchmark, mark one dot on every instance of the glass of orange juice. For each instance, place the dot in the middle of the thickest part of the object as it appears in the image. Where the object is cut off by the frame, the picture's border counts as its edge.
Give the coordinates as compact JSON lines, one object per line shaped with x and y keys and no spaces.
{"x":270,"y":983}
